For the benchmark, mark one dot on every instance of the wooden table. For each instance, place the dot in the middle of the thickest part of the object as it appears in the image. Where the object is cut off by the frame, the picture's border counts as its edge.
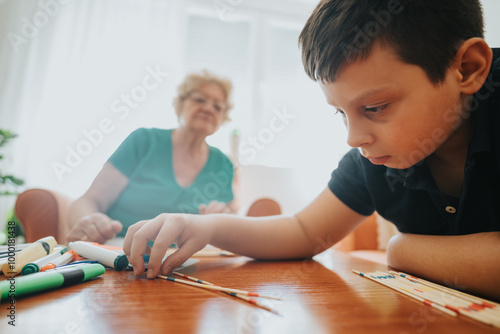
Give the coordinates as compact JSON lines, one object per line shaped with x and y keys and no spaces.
{"x":319,"y":296}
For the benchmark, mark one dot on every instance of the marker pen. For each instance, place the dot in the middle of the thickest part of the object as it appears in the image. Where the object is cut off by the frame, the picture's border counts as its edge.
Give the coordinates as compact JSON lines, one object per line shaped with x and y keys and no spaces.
{"x":34,"y":267}
{"x":4,"y":254}
{"x":105,"y":256}
{"x":18,"y":247}
{"x":61,"y":260}
{"x":33,"y":252}
{"x":76,"y":263}
{"x":48,"y":280}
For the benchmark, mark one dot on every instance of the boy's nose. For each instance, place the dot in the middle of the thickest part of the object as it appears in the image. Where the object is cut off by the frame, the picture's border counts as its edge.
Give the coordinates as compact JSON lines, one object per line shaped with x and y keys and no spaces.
{"x":358,"y":134}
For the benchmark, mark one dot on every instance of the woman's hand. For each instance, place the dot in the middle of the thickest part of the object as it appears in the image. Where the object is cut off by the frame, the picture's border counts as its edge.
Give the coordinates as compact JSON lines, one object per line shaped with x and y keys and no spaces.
{"x":190,"y":232}
{"x":214,"y":207}
{"x":96,"y":227}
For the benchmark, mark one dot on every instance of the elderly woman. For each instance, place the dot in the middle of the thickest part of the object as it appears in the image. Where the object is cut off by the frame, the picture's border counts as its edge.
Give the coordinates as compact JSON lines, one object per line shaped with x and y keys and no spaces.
{"x":159,"y":170}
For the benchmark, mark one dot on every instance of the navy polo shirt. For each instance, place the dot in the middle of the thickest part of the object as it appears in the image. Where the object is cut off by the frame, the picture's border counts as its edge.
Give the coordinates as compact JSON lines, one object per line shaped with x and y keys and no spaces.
{"x":409,"y":197}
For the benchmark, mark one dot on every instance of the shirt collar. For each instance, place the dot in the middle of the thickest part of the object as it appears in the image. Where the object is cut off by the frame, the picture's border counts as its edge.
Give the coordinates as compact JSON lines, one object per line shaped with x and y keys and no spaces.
{"x":417,"y":177}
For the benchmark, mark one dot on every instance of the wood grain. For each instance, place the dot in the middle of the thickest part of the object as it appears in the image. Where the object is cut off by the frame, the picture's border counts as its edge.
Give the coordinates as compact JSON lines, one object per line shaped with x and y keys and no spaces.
{"x":320,"y":295}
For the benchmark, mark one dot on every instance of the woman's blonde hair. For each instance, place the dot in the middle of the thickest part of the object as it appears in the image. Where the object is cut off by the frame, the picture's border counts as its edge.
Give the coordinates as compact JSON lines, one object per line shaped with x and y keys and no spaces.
{"x":195,"y":80}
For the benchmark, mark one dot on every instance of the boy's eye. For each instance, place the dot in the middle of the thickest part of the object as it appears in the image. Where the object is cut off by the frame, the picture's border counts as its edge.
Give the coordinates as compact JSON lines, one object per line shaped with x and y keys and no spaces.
{"x":375,"y":109}
{"x":339,"y":111}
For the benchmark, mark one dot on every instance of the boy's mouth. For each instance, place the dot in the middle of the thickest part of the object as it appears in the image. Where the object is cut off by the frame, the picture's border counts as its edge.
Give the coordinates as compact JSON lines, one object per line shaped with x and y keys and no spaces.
{"x":379,"y":160}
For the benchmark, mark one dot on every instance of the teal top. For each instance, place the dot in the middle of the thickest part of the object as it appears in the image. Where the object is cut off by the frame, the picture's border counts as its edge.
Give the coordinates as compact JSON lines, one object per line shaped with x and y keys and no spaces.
{"x":145,"y":158}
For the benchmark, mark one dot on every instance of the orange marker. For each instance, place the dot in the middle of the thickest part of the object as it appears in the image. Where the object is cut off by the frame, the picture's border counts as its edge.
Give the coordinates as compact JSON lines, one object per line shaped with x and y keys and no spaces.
{"x":61,"y":260}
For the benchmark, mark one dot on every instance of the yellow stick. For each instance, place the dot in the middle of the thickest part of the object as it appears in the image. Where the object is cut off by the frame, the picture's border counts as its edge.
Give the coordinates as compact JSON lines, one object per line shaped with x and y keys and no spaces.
{"x":215,"y":287}
{"x":407,"y":293}
{"x":461,"y":294}
{"x":228,"y":291}
{"x":430,"y":300}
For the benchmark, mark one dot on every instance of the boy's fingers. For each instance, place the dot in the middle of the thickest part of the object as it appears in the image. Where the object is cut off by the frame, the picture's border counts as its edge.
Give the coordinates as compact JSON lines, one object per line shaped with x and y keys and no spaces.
{"x":127,"y":241}
{"x":180,"y":256}
{"x":145,"y":233}
{"x":171,"y":228}
{"x":136,"y":262}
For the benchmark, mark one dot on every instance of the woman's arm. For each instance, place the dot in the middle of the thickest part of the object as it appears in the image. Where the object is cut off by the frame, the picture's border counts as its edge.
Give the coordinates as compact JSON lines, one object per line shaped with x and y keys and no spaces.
{"x":466,"y":262}
{"x":86,"y":214}
{"x":324,"y":222}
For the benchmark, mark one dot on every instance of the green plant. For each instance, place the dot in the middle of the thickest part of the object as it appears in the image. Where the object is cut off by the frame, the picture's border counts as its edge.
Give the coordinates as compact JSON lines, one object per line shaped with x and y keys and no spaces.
{"x":10,"y":183}
{"x":9,"y":186}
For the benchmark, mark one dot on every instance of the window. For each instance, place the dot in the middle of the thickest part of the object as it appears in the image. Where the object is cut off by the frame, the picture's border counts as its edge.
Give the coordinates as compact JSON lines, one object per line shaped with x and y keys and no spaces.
{"x":224,"y":49}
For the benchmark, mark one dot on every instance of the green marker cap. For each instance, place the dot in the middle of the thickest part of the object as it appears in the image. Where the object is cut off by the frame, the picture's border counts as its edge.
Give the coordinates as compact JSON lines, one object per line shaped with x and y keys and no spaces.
{"x":64,"y":250}
{"x":121,"y":262}
{"x":30,"y":268}
{"x":92,"y":270}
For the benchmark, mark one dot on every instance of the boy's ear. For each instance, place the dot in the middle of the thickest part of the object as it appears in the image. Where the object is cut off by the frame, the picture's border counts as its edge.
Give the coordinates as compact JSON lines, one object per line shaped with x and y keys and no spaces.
{"x":473,"y":61}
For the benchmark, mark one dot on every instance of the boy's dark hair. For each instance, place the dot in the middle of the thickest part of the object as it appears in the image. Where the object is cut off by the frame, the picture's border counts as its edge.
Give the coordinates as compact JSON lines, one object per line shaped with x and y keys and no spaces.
{"x":426,"y":33}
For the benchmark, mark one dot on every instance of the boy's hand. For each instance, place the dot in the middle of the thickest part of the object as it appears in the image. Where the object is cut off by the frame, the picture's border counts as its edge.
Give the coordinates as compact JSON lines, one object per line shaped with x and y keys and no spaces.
{"x":96,"y":227}
{"x":190,"y":232}
{"x":214,"y":207}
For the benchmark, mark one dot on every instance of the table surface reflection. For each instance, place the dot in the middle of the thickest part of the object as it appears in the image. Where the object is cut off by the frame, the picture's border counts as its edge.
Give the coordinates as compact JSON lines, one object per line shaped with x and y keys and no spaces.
{"x":321,"y":295}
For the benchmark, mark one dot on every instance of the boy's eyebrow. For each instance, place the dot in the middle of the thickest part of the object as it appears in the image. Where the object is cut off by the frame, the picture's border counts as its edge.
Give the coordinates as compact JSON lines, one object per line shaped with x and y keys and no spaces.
{"x":362,"y":96}
{"x":370,"y":92}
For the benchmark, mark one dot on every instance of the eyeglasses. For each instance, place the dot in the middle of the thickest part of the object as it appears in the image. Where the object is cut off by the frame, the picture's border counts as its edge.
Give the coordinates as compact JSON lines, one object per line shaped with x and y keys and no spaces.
{"x":202,"y":99}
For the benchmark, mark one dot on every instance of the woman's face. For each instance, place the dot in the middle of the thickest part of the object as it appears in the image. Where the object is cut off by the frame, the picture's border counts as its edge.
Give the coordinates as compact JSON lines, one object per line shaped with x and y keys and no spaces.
{"x":204,"y":109}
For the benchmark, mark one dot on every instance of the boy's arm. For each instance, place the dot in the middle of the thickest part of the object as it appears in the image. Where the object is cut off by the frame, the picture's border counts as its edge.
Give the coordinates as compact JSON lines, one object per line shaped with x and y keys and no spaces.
{"x":317,"y":227}
{"x":325,"y":221}
{"x":466,"y":262}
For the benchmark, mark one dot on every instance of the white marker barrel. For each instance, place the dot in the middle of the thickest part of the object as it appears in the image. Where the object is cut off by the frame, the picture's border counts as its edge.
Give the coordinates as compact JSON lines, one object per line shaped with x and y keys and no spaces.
{"x":102,"y":255}
{"x":35,"y":266}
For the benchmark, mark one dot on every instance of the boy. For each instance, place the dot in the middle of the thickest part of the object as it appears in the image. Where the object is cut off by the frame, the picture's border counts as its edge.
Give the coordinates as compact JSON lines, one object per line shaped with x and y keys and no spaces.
{"x":418,"y":90}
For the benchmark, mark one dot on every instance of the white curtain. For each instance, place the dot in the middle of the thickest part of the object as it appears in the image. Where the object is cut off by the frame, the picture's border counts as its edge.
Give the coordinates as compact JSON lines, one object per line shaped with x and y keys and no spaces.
{"x":73,"y":76}
{"x":22,"y":71}
{"x":79,"y":75}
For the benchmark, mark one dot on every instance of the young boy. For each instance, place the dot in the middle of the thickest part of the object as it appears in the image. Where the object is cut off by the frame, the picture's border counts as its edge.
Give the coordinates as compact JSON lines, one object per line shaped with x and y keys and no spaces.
{"x":419,"y":92}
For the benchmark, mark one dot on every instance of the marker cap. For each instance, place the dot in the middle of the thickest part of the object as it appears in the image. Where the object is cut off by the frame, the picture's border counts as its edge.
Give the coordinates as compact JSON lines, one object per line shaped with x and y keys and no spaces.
{"x":30,"y":268}
{"x":48,"y":266}
{"x":121,"y":262}
{"x":92,"y":270}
